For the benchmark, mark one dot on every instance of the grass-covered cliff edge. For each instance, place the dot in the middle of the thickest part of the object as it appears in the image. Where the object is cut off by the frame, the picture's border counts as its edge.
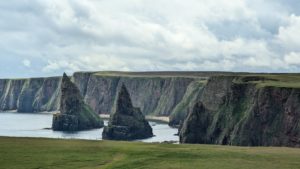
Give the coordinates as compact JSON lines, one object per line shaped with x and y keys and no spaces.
{"x":156,"y":93}
{"x":26,"y":153}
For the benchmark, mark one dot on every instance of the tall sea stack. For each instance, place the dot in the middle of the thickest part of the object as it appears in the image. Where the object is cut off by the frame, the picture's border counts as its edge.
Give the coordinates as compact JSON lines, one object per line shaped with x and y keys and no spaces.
{"x":74,"y":114}
{"x":127,"y":122}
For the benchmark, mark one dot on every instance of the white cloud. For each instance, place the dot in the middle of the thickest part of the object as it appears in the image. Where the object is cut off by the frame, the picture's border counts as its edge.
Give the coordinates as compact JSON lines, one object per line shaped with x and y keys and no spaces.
{"x":289,"y":35}
{"x":292,"y":58}
{"x":67,"y":66}
{"x":26,"y":63}
{"x":141,"y":35}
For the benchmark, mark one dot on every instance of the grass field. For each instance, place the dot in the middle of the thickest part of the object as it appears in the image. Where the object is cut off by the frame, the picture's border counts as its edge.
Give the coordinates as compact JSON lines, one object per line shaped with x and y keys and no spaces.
{"x":52,"y":153}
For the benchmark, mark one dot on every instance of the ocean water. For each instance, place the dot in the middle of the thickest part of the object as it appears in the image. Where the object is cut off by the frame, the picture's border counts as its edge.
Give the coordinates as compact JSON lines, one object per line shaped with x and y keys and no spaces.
{"x":37,"y":125}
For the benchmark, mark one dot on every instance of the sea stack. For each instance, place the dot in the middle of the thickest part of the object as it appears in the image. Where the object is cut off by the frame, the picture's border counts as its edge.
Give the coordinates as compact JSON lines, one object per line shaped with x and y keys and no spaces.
{"x":126,"y":122}
{"x":74,"y":114}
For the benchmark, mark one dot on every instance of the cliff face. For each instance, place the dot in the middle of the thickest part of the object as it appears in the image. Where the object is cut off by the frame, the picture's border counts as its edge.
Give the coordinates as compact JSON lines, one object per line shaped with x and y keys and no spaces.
{"x":39,"y":95}
{"x":101,"y":92}
{"x":30,"y":95}
{"x":10,"y":91}
{"x":237,"y":111}
{"x":154,"y":94}
{"x":186,"y":104}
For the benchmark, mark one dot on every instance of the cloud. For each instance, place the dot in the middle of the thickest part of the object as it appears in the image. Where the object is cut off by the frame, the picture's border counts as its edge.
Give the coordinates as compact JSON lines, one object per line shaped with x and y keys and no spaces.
{"x":289,"y":35}
{"x":60,"y":65}
{"x":292,"y":58}
{"x":142,"y":35}
{"x":26,"y":63}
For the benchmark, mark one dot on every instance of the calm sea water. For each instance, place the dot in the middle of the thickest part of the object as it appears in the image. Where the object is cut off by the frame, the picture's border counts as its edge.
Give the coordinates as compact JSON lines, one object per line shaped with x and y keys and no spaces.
{"x":35,"y":125}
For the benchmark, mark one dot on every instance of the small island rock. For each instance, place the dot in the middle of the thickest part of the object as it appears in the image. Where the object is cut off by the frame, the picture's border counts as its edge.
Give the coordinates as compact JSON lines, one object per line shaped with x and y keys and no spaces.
{"x":74,"y":114}
{"x":127,"y":122}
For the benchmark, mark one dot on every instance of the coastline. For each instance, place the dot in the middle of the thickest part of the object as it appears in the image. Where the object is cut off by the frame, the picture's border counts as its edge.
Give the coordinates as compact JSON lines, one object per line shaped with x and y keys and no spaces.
{"x":162,"y":119}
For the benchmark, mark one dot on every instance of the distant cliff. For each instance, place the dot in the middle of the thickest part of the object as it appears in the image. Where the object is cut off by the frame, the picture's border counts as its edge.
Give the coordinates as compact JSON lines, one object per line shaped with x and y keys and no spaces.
{"x":30,"y":95}
{"x":154,"y":95}
{"x":161,"y":93}
{"x":246,"y":110}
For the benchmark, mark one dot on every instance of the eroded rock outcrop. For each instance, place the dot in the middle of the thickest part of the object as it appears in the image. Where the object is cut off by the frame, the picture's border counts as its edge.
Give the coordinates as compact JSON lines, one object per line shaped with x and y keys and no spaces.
{"x":74,"y":113}
{"x":127,"y":122}
{"x":235,"y":112}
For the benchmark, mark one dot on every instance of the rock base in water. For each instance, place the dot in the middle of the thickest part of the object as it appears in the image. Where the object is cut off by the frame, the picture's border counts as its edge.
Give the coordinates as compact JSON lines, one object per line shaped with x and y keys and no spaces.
{"x":65,"y":122}
{"x":130,"y":128}
{"x":74,"y":113}
{"x":84,"y":121}
{"x":127,"y":122}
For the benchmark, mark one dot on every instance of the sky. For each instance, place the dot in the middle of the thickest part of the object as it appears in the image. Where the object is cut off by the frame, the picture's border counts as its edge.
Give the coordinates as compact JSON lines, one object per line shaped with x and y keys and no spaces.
{"x":49,"y":37}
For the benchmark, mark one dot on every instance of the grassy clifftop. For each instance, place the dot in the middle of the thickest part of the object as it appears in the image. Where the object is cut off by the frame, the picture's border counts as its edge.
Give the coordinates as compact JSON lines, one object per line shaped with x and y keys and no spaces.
{"x":160,"y":74}
{"x":51,"y":153}
{"x":289,"y":80}
{"x":272,"y":80}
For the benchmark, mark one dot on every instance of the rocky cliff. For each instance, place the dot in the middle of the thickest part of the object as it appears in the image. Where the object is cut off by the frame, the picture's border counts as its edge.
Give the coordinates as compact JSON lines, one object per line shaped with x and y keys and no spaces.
{"x":240,"y":108}
{"x":160,"y":98}
{"x":30,"y":95}
{"x":190,"y":97}
{"x":247,"y":111}
{"x":165,"y":91}
{"x":10,"y":91}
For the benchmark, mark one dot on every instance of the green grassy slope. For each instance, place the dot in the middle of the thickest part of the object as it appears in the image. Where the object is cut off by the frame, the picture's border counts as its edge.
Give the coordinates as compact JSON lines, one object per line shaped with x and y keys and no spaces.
{"x":51,"y":153}
{"x":273,"y":80}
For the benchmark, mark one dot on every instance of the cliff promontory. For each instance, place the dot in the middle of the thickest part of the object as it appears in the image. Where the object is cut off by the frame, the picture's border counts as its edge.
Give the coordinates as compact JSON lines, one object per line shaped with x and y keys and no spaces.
{"x":246,"y":111}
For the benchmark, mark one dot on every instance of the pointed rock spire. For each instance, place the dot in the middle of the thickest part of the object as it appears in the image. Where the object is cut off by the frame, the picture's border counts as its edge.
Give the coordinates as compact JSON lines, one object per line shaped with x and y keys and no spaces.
{"x":71,"y":100}
{"x":124,"y":104}
{"x":127,"y":122}
{"x":74,"y":113}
